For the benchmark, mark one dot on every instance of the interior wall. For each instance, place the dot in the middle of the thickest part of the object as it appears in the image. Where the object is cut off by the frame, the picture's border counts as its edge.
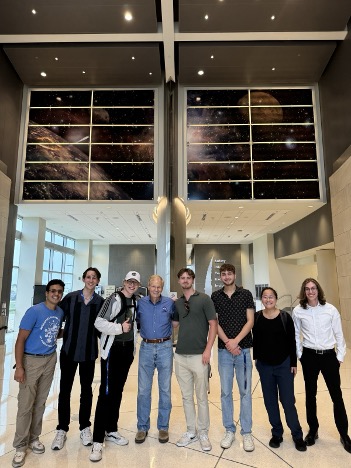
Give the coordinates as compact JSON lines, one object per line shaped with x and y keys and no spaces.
{"x":209,"y":258}
{"x":124,"y":258}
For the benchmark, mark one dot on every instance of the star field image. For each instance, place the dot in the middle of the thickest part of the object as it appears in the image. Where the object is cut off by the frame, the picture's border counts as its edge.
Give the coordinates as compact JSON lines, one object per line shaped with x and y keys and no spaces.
{"x":281,"y":138}
{"x":66,"y":135}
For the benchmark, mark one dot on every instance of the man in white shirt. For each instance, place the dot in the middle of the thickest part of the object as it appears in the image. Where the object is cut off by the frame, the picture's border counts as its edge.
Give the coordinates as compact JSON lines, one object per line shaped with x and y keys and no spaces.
{"x":322,"y":350}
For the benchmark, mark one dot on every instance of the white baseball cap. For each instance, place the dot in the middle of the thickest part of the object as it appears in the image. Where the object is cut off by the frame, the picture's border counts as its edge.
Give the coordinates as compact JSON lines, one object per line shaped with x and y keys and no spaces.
{"x":132,"y":275}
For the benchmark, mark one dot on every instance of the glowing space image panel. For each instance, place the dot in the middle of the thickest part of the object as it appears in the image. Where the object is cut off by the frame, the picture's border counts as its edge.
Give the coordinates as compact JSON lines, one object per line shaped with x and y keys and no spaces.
{"x":126,"y":172}
{"x":124,"y":98}
{"x":286,"y":190}
{"x":59,"y":98}
{"x":218,"y":152}
{"x":56,"y":171}
{"x":56,"y":152}
{"x":122,"y":153}
{"x":221,"y":171}
{"x":219,"y":190}
{"x":285,"y":170}
{"x":122,"y":191}
{"x":291,"y":150}
{"x":55,"y":191}
{"x":124,"y":116}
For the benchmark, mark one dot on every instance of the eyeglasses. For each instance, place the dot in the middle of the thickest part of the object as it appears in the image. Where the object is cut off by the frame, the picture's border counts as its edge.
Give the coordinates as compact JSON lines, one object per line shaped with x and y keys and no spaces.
{"x":313,"y":289}
{"x":187,"y":308}
{"x":54,"y":291}
{"x":132,"y":283}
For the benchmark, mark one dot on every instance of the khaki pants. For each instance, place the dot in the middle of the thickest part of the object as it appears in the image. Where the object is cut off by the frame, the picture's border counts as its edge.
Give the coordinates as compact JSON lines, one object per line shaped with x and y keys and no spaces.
{"x":32,"y":396}
{"x":192,"y":374}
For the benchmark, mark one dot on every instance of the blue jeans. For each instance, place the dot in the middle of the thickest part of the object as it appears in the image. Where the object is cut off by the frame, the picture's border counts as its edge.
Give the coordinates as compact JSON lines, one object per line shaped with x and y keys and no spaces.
{"x":242,"y":364}
{"x":154,"y":356}
{"x":274,"y":378}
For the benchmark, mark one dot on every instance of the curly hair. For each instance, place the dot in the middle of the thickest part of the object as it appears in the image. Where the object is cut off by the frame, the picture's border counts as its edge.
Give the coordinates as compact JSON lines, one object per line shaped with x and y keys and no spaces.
{"x":303,"y":297}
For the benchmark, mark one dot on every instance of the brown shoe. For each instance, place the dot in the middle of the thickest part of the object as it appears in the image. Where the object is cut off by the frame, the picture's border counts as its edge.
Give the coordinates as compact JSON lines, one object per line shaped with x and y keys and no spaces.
{"x":140,"y":437}
{"x":163,"y":436}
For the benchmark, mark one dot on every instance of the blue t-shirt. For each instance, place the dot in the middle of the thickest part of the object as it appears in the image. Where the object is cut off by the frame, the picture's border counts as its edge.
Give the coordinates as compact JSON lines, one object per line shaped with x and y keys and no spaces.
{"x":44,"y":325}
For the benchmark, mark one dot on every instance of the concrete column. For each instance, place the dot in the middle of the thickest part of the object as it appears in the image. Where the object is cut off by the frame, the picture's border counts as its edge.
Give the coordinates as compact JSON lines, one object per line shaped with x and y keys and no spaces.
{"x":30,"y":264}
{"x":82,"y":260}
{"x":327,"y":276}
{"x":163,"y":244}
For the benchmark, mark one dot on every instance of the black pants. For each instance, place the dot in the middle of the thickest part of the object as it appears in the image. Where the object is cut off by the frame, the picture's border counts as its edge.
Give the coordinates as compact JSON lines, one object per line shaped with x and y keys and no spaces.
{"x":86,"y":375}
{"x":328,"y":365}
{"x":114,"y":372}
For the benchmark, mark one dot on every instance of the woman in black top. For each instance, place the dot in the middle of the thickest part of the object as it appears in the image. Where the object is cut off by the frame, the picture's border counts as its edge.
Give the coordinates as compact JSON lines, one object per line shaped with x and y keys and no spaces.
{"x":274,"y":350}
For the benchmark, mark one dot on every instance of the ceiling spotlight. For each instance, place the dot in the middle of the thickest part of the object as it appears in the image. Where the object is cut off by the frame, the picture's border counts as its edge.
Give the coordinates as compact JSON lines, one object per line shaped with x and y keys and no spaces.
{"x":206,"y":17}
{"x":34,"y":12}
{"x":200,"y":72}
{"x":212,"y":56}
{"x":310,"y":206}
{"x":273,"y":69}
{"x":43,"y":74}
{"x":128,"y":16}
{"x":56,"y":58}
{"x":133,"y":58}
{"x":272,"y":17}
{"x":83,"y":72}
{"x":240,"y":207}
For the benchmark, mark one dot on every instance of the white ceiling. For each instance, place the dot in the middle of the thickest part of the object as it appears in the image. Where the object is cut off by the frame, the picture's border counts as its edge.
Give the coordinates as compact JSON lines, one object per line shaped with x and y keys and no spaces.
{"x":171,"y":39}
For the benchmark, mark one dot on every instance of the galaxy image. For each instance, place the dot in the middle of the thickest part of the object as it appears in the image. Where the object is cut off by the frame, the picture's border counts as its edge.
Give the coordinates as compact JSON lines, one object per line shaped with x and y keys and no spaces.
{"x":251,"y":144}
{"x":79,"y":151}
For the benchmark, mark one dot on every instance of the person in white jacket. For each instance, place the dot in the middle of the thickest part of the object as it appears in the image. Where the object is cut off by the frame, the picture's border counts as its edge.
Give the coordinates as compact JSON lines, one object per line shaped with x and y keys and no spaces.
{"x":116,"y":322}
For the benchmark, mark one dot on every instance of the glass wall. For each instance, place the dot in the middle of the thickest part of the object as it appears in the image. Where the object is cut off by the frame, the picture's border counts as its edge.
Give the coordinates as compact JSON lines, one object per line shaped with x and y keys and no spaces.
{"x":90,"y":145}
{"x":251,"y":144}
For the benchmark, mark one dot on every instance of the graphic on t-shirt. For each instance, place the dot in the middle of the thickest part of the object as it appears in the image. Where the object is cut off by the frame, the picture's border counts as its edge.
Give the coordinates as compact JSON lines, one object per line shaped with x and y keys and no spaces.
{"x":49,"y":331}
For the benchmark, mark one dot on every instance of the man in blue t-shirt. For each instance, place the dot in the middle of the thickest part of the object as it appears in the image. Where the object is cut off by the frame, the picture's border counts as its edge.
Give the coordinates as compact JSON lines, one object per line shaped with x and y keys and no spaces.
{"x":35,"y":354}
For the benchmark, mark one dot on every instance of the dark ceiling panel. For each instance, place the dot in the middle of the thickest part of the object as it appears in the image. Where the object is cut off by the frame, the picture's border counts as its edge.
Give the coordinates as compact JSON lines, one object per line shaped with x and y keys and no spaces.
{"x":104,"y":65}
{"x":255,"y":15}
{"x":251,"y":63}
{"x":79,"y":17}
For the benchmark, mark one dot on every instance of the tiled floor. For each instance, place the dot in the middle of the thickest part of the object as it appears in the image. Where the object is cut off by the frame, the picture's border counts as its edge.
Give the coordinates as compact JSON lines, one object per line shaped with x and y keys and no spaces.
{"x":328,"y":452}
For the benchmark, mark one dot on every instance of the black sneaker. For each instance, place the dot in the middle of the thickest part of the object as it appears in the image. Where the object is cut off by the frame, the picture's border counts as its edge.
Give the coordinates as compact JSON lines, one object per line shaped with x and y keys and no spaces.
{"x":300,"y":445}
{"x":275,"y":441}
{"x":346,"y":442}
{"x":311,"y":438}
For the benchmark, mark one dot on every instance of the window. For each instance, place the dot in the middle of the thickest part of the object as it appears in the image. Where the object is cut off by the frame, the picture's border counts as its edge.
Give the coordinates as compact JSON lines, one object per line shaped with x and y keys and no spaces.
{"x":58,"y":260}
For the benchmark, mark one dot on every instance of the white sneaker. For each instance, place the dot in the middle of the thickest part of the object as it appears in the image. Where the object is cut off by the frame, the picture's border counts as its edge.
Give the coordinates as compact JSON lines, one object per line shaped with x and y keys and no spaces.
{"x":59,"y":440}
{"x":227,"y":440}
{"x":186,"y":439}
{"x":96,"y":452}
{"x":19,"y":459}
{"x":36,"y":446}
{"x":116,"y":438}
{"x":205,"y":442}
{"x":248,"y":443}
{"x":86,"y":436}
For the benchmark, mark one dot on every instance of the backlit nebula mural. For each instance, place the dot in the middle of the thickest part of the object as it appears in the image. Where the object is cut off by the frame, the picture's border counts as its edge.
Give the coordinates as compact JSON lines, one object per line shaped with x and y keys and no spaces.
{"x":90,"y":145}
{"x":251,"y":144}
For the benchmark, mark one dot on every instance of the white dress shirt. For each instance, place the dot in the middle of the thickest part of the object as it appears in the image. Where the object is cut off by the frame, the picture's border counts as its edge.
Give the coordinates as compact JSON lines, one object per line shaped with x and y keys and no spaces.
{"x":320,"y":327}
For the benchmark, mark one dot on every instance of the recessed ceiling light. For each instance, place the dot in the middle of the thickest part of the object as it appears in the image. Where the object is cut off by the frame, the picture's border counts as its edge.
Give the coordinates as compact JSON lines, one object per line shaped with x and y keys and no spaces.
{"x":150,"y":73}
{"x":212,"y":56}
{"x":43,"y":74}
{"x":206,"y":17}
{"x":200,"y":72}
{"x":34,"y":12}
{"x":56,"y":58}
{"x":83,"y":72}
{"x":241,"y":207}
{"x":128,"y":16}
{"x":310,"y":206}
{"x":273,"y":68}
{"x":272,"y":17}
{"x":236,"y":217}
{"x":133,"y":58}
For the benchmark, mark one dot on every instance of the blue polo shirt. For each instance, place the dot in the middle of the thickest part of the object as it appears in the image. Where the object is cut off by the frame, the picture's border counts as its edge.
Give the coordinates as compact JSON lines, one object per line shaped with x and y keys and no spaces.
{"x":44,"y":325}
{"x":155,"y":319}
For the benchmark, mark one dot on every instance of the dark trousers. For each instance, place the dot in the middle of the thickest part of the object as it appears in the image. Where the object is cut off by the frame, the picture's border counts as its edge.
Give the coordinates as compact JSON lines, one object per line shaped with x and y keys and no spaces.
{"x":274,"y":379}
{"x":114,"y":372}
{"x":86,"y":376}
{"x":328,"y":365}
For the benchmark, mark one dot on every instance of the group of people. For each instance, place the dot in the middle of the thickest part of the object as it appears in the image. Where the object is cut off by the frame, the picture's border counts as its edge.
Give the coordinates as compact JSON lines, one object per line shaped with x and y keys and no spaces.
{"x":273,"y":334}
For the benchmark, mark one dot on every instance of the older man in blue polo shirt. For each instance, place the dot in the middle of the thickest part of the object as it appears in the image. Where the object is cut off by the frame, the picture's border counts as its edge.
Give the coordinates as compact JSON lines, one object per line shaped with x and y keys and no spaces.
{"x":155,"y":314}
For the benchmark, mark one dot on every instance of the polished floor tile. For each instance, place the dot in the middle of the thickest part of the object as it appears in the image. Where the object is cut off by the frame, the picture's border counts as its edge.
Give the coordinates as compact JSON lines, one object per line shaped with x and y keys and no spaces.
{"x":325,"y":453}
